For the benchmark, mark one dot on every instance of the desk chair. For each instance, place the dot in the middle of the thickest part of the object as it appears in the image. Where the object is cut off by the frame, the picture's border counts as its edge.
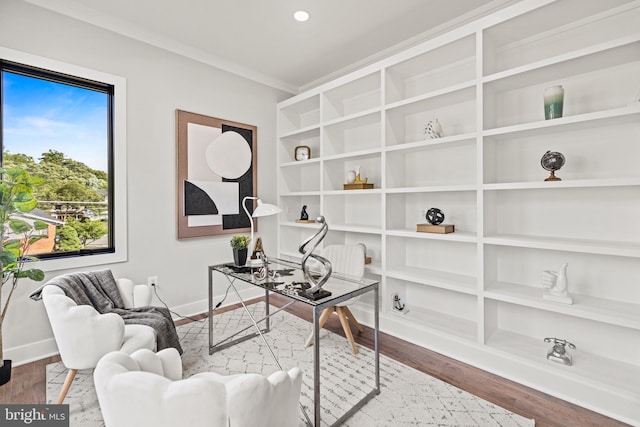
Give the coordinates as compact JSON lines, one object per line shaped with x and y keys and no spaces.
{"x":347,"y":260}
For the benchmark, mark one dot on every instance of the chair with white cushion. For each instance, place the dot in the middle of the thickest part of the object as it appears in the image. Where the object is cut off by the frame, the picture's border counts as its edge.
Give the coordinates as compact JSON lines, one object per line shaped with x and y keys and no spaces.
{"x":146,"y":389}
{"x":349,"y":261}
{"x":83,"y":335}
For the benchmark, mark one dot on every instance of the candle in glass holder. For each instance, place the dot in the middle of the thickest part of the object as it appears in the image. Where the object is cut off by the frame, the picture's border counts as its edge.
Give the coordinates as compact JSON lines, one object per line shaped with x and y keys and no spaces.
{"x":553,"y":102}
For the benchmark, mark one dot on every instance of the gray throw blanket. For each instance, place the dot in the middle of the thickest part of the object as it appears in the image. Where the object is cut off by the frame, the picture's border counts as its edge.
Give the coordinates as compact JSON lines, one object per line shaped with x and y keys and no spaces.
{"x":99,"y":290}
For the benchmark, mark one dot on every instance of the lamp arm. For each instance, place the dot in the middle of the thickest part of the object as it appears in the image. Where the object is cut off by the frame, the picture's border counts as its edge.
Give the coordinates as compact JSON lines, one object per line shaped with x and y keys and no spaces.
{"x":244,"y":206}
{"x":317,"y":284}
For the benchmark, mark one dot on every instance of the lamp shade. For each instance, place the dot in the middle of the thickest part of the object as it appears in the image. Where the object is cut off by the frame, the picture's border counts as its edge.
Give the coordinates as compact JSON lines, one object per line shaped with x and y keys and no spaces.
{"x":265,"y":209}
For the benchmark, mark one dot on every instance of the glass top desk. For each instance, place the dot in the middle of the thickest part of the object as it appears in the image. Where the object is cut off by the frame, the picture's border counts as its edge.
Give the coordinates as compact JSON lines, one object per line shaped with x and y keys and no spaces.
{"x":283,"y":277}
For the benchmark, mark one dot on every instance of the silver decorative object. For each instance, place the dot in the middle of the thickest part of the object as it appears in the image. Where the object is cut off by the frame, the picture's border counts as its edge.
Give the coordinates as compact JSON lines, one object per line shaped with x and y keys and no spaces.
{"x":318,"y":282}
{"x":558,"y":353}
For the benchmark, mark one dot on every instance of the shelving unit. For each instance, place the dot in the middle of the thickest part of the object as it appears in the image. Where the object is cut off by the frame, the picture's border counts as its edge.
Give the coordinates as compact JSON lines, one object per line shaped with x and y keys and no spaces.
{"x":476,"y":294}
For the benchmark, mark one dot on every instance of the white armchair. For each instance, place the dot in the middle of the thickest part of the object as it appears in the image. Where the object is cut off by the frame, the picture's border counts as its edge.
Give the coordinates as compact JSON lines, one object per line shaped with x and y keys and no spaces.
{"x":146,"y":389}
{"x":83,"y":335}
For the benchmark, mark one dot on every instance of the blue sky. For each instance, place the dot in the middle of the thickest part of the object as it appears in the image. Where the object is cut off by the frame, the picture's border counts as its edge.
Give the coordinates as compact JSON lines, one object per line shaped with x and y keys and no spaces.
{"x":39,"y":115}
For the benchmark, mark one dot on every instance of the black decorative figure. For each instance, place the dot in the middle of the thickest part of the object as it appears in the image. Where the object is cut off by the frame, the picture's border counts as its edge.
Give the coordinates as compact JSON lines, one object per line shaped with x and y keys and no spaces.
{"x":304,"y":215}
{"x":435,"y":216}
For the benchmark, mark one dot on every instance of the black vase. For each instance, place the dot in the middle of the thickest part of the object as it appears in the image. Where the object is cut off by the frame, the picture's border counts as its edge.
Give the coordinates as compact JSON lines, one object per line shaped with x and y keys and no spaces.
{"x":240,"y":256}
{"x":5,"y":372}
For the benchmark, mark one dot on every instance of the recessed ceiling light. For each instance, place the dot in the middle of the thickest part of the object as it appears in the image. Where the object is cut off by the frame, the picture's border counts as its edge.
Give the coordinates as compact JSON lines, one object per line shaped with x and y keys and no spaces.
{"x":301,"y":16}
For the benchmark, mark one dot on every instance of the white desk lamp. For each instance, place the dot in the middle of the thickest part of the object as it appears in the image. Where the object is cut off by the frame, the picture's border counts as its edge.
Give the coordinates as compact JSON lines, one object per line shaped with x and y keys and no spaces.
{"x":263,"y":209}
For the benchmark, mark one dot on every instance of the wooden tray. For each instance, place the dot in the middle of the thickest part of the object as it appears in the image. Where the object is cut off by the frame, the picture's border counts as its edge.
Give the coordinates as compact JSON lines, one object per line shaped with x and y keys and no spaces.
{"x":358,"y":186}
{"x":439,"y":229}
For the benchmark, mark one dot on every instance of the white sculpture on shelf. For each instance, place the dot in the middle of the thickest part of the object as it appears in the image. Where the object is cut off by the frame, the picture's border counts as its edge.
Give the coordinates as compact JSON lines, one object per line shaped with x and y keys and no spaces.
{"x":556,"y":285}
{"x":433,"y":129}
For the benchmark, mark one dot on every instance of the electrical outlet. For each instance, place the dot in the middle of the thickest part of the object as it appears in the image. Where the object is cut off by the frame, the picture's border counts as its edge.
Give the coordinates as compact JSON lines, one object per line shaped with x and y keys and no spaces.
{"x":152,"y":281}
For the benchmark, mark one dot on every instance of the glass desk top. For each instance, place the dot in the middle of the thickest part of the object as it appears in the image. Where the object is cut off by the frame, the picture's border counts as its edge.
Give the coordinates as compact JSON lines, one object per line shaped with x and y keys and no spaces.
{"x":286,"y":278}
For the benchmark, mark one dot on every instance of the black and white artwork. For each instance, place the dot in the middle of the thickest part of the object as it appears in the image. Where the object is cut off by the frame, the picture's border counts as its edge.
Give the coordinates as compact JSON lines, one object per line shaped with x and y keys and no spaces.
{"x":216,"y":170}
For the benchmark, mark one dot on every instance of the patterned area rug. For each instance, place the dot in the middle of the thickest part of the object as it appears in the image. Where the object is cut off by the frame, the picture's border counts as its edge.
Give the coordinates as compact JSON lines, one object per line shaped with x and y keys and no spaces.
{"x":408,"y":397}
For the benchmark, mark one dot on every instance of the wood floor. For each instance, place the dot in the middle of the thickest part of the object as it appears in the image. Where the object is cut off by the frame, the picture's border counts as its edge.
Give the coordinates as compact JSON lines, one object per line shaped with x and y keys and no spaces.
{"x":28,"y":382}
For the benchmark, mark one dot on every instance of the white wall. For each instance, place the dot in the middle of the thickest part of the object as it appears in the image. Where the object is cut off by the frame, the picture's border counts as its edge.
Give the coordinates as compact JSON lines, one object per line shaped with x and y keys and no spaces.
{"x":158,"y":83}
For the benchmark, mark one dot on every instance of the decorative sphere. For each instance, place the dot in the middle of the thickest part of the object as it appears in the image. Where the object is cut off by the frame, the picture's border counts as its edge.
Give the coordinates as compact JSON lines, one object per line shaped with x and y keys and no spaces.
{"x":435,"y":216}
{"x":552,"y":161}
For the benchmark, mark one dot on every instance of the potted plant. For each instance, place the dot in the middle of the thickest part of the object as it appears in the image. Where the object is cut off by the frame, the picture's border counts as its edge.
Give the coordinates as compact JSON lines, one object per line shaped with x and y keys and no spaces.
{"x":16,"y":236}
{"x":240,"y":245}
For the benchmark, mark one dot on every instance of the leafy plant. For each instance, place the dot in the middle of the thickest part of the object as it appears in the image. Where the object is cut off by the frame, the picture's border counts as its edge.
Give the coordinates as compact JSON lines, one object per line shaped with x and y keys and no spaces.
{"x":16,"y":196}
{"x":240,"y":242}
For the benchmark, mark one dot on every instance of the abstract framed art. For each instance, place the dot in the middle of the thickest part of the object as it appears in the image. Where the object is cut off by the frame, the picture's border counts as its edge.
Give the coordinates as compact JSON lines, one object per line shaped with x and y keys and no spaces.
{"x":216,"y":168}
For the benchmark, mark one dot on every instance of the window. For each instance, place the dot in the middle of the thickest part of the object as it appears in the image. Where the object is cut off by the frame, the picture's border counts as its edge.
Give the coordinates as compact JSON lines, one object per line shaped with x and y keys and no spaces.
{"x":65,"y":125}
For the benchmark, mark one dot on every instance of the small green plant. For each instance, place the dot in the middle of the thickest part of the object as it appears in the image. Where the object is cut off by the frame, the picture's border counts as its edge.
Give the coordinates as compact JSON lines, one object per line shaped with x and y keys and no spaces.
{"x":240,"y":242}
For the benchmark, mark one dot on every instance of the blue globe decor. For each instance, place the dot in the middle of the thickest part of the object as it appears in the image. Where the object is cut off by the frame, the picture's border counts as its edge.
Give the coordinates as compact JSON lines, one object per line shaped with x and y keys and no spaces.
{"x":435,"y":216}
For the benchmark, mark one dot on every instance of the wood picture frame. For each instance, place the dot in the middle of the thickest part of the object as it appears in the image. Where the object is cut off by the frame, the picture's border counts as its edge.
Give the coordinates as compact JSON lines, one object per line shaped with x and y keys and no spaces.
{"x":216,"y":167}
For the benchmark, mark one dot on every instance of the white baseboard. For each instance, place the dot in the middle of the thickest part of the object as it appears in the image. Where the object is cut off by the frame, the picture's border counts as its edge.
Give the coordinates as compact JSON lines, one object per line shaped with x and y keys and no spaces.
{"x":31,"y":352}
{"x":41,"y":349}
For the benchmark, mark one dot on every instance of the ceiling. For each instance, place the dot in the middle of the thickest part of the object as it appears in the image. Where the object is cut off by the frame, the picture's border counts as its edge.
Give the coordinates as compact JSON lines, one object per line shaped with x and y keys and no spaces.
{"x":260,"y":40}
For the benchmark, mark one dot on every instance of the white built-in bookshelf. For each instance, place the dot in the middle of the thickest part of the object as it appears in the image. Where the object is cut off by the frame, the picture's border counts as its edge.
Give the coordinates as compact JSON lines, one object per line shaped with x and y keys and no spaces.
{"x":476,"y":294}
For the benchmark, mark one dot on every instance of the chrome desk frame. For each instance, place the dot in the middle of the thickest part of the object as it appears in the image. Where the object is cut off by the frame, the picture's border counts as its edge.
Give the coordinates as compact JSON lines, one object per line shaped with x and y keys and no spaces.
{"x":318,"y":307}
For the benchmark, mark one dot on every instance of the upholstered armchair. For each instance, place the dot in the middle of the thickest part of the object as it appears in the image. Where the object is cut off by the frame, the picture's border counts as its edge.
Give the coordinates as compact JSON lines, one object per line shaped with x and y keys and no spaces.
{"x":147,"y":389}
{"x":83,"y":335}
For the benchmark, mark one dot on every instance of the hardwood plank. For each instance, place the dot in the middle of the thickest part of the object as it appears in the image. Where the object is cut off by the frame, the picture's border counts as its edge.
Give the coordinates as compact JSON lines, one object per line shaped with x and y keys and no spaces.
{"x":28,"y":383}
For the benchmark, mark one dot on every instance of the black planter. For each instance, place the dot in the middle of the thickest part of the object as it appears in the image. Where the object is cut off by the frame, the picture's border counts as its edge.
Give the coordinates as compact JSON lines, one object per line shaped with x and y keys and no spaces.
{"x":5,"y":372}
{"x":240,"y":256}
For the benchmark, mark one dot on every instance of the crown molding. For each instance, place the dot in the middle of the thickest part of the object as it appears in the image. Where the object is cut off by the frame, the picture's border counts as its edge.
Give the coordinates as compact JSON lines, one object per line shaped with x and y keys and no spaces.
{"x":106,"y":21}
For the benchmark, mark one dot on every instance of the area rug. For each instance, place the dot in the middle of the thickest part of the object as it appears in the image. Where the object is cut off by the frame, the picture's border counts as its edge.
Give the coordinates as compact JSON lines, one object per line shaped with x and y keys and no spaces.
{"x":407,"y":398}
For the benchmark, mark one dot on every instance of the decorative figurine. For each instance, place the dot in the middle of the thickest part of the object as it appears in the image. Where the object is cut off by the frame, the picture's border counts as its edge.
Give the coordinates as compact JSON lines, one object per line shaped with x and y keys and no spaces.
{"x":358,"y":179}
{"x":558,"y":353}
{"x":303,"y":214}
{"x":356,"y":182}
{"x":315,"y":292}
{"x":258,"y":250}
{"x":552,"y":161}
{"x":556,"y":285}
{"x":435,"y":216}
{"x":434,"y":129}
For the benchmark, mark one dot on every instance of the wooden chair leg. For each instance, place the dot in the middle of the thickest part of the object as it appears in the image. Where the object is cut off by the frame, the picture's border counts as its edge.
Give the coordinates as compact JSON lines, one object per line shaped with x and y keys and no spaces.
{"x":347,"y":328}
{"x":324,"y":316}
{"x":353,"y":320}
{"x":67,"y":383}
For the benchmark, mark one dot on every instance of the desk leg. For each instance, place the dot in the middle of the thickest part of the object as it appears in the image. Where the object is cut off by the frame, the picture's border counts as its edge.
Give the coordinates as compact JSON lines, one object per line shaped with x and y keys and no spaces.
{"x":316,"y":366}
{"x":209,"y":314}
{"x":266,"y":301}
